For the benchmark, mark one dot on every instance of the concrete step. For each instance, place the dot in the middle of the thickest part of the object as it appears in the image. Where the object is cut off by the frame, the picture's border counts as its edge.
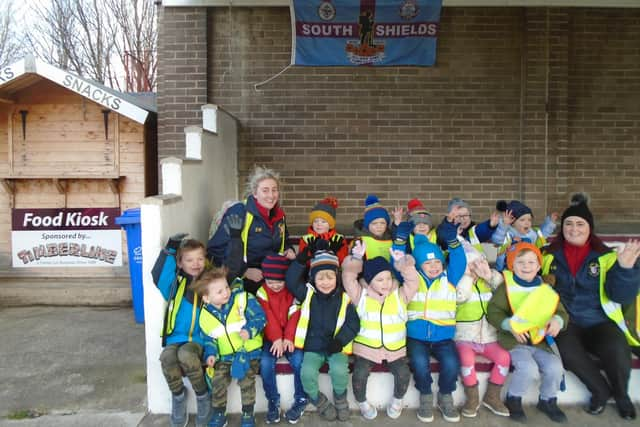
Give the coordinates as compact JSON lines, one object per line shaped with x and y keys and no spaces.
{"x":65,"y":291}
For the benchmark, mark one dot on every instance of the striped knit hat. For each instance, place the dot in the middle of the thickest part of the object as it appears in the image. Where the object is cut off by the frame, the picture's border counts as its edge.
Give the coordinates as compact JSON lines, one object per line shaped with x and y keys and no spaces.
{"x":417,"y":213}
{"x":323,"y":260}
{"x":274,"y":267}
{"x":325,"y":209}
{"x":373,"y":210}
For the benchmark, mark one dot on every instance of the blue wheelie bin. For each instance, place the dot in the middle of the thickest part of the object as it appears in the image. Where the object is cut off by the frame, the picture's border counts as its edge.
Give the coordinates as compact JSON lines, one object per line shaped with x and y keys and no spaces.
{"x":130,"y":221}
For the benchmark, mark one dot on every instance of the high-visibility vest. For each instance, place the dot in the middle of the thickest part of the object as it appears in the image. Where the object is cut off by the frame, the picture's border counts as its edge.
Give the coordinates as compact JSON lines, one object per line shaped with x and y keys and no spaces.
{"x":227,"y":333}
{"x":612,"y":309}
{"x":173,"y":307}
{"x":436,"y":304}
{"x":303,"y":323}
{"x":532,"y":307}
{"x":375,"y":247}
{"x":473,"y":239}
{"x":431,"y":237}
{"x":382,"y":325}
{"x":244,"y":234}
{"x":263,"y":295}
{"x":475,"y":308}
{"x":540,"y":241}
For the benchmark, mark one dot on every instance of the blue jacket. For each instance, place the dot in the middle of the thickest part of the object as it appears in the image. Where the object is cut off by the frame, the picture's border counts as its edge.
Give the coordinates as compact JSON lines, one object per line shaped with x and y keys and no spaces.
{"x":255,"y":317}
{"x":323,"y":312}
{"x":580,"y":295}
{"x":186,"y":327}
{"x":262,"y":241}
{"x":424,"y":330}
{"x":503,"y":230}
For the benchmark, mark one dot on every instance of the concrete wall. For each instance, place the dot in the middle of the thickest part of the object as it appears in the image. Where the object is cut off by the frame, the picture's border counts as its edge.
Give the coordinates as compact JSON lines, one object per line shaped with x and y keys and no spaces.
{"x":200,"y":185}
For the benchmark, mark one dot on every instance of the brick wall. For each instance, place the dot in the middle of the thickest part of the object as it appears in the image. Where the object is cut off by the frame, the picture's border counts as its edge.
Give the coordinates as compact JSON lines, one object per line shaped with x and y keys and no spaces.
{"x":474,"y":126}
{"x":182,"y":78}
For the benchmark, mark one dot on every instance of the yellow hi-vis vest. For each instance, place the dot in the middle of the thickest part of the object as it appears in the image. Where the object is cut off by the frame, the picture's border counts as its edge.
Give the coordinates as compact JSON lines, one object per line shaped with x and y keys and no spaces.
{"x":475,"y":308}
{"x":382,"y":325}
{"x":532,"y":307}
{"x":431,"y":237}
{"x":244,"y":234}
{"x":303,"y":323}
{"x":174,"y":306}
{"x":612,"y":309}
{"x":540,"y":241}
{"x":375,"y":248}
{"x":473,"y":239}
{"x":227,"y":333}
{"x":436,"y":304}
{"x":264,"y":296}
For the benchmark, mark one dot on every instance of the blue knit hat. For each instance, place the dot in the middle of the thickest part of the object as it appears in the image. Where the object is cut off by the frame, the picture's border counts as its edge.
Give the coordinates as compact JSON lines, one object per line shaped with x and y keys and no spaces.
{"x":374,"y":266}
{"x":516,"y":207}
{"x":323,"y":260}
{"x":373,"y":210}
{"x":424,"y":250}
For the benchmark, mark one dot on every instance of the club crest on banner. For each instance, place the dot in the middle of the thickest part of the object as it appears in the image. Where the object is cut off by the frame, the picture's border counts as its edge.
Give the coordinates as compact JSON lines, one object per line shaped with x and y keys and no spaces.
{"x":326,"y":11}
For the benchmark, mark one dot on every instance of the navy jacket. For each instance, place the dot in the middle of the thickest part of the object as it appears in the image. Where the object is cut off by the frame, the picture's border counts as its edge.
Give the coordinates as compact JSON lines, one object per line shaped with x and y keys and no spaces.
{"x":323,"y":313}
{"x":262,"y":241}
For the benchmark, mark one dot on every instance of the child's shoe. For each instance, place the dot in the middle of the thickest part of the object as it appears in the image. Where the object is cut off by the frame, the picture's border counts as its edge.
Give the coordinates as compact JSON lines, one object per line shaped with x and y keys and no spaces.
{"x":294,"y":414}
{"x":273,"y":412}
{"x":446,"y":406}
{"x":203,"y":409}
{"x":493,"y":402}
{"x":342,"y":406}
{"x":425,"y":410}
{"x":472,"y":401}
{"x":325,"y":408}
{"x":218,"y":418}
{"x":514,"y":405}
{"x":394,"y":409}
{"x":367,"y":410}
{"x":550,"y":408}
{"x":247,"y":419}
{"x":179,"y":416}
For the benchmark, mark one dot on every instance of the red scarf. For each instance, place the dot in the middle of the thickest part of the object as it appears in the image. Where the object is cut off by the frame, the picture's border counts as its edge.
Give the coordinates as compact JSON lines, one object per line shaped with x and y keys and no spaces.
{"x":576,"y":255}
{"x":269,"y":219}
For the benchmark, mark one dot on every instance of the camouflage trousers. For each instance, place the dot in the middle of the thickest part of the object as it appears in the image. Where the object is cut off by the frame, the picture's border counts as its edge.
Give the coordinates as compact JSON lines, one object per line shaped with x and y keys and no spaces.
{"x":178,"y":360}
{"x":222,"y":379}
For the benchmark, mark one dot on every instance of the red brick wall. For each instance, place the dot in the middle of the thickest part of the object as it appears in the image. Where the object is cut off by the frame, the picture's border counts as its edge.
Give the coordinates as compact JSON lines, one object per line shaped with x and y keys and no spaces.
{"x":473,"y":126}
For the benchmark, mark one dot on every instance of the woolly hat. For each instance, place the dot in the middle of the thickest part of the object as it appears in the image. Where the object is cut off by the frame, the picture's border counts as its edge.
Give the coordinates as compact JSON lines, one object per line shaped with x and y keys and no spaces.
{"x":274,"y":267}
{"x":579,"y":206}
{"x":325,"y":209}
{"x":424,"y":251}
{"x":323,"y":260}
{"x":514,"y":251}
{"x":373,"y":210}
{"x":418,"y":213}
{"x":456,"y":201}
{"x":516,"y":207}
{"x":374,"y":266}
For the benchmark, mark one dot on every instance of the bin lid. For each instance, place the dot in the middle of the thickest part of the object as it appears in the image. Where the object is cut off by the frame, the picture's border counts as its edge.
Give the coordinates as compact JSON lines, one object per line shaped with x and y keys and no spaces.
{"x":130,"y":216}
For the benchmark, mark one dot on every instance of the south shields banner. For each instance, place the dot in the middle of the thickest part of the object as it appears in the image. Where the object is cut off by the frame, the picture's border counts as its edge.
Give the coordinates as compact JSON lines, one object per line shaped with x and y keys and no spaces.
{"x":364,"y":32}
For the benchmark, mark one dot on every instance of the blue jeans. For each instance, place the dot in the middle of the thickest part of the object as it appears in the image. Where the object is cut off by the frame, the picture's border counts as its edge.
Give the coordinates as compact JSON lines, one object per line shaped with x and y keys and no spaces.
{"x":268,"y":372}
{"x":445,"y":352}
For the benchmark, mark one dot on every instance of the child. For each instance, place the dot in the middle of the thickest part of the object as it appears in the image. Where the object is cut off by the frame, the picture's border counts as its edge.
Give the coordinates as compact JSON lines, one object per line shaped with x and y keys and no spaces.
{"x":181,"y":338}
{"x":231,"y":321}
{"x":515,"y":226}
{"x":432,"y":323}
{"x":323,"y":226}
{"x":420,"y":220}
{"x":373,"y":230}
{"x":282,"y":313}
{"x":524,"y":310}
{"x":328,"y":323}
{"x":474,"y":335}
{"x":382,"y":307}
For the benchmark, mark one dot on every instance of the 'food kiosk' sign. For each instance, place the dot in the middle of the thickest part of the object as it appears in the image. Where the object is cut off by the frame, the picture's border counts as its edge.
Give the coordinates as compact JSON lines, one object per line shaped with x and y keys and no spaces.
{"x":80,"y":237}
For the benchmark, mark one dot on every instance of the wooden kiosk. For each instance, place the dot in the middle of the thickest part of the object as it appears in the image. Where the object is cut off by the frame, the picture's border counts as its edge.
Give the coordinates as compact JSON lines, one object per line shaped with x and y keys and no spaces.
{"x":70,"y":149}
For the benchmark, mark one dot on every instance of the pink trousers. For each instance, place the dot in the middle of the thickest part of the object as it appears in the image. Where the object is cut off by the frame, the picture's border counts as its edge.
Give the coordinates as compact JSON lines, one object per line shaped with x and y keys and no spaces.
{"x":492,"y":351}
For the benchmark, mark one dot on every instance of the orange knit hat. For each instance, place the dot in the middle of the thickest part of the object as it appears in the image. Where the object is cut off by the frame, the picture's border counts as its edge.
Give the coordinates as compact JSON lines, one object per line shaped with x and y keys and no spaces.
{"x":514,"y":251}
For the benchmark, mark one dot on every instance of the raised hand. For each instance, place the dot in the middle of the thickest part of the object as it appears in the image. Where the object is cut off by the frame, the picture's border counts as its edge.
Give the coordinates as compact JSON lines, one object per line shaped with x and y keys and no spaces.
{"x":233,"y":225}
{"x":398,"y":214}
{"x":480,"y":267}
{"x":494,"y":219}
{"x":508,"y":218}
{"x":358,"y":250}
{"x":629,"y":254}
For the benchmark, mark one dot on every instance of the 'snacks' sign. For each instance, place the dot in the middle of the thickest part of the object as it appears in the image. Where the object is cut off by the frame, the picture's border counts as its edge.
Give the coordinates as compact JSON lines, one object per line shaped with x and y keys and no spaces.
{"x":66,"y":238}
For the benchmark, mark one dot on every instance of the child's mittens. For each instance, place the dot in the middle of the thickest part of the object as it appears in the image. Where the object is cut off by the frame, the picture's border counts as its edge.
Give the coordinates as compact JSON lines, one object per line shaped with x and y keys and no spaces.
{"x":358,"y":250}
{"x":335,"y":346}
{"x":401,"y":261}
{"x":448,"y":232}
{"x":305,"y":255}
{"x":335,"y":243}
{"x":233,"y":226}
{"x":403,"y":230}
{"x":174,"y":241}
